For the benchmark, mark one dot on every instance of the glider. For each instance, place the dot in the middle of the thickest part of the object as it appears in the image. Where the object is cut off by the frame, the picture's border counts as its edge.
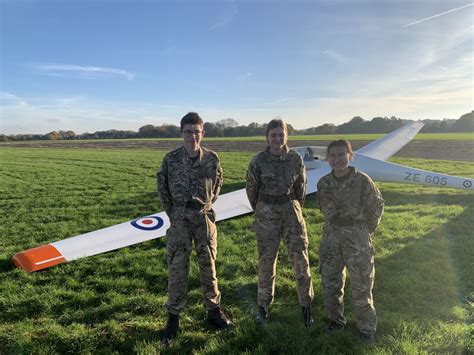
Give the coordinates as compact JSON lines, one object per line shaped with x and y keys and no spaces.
{"x":369,"y":159}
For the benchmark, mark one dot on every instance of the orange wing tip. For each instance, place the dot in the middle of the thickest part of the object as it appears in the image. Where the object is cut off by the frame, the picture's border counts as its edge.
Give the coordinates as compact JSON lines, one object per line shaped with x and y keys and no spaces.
{"x":38,"y":258}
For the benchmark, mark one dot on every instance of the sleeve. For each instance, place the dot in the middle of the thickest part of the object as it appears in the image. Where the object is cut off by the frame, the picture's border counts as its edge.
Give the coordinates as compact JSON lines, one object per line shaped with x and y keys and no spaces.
{"x":300,"y":182}
{"x":163,"y":187}
{"x":252,"y":185}
{"x":373,"y":205}
{"x":219,"y":181}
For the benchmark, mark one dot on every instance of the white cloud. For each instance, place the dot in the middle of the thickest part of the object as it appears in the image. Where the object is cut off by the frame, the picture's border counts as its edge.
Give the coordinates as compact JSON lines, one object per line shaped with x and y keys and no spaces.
{"x":81,"y":71}
{"x":41,"y":115}
{"x":226,"y":16}
{"x":336,"y":56}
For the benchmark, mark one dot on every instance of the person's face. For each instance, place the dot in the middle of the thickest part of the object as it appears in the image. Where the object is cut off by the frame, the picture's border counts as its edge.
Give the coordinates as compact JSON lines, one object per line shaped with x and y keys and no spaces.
{"x":277,"y":139}
{"x":192,"y":136}
{"x":338,"y":158}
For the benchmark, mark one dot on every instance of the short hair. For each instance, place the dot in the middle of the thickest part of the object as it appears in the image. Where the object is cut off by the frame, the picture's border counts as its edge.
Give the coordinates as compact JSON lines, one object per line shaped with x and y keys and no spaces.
{"x":341,"y":143}
{"x":191,"y":118}
{"x":276,"y":123}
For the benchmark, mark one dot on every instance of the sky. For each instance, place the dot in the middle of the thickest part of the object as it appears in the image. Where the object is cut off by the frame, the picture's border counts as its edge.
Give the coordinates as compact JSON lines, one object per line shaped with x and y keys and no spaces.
{"x":86,"y":65}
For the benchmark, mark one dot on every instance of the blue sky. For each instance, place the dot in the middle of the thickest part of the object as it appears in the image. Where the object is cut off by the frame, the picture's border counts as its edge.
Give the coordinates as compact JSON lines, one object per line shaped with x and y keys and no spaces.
{"x":97,"y":65}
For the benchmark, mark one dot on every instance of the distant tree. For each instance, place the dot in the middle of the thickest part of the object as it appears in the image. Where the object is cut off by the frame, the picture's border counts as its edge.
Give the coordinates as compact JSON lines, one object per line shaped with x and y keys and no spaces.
{"x":67,"y":134}
{"x":147,"y":131}
{"x":256,"y":129}
{"x":355,"y":125}
{"x":464,"y":124}
{"x":3,"y":138}
{"x":228,"y":122}
{"x":291,"y":130}
{"x":327,"y":128}
{"x":53,"y":135}
{"x":213,"y":130}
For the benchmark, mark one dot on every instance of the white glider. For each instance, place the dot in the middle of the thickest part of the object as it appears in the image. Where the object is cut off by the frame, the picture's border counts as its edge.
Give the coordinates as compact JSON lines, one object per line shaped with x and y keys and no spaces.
{"x":369,"y":159}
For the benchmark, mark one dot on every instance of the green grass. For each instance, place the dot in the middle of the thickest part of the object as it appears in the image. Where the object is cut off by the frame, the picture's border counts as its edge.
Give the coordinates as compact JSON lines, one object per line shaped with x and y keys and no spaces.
{"x":113,"y":303}
{"x":323,"y":137}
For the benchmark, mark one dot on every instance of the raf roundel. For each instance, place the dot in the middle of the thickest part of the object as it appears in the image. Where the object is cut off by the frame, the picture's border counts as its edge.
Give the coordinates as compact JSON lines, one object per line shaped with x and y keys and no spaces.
{"x":148,"y":223}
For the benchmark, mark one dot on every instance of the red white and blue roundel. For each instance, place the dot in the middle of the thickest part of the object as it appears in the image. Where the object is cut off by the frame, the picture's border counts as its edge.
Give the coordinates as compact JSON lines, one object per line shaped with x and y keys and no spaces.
{"x":148,"y":223}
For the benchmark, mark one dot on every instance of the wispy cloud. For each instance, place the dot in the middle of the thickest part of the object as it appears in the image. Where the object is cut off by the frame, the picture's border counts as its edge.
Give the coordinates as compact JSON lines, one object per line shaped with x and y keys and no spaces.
{"x":80,"y":114}
{"x":440,"y":14}
{"x":335,"y":55}
{"x":81,"y":71}
{"x":226,"y":16}
{"x":9,"y":100}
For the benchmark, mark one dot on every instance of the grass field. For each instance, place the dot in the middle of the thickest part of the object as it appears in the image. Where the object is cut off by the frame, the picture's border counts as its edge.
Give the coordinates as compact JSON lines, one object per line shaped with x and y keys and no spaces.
{"x":322,"y":137}
{"x":113,"y":303}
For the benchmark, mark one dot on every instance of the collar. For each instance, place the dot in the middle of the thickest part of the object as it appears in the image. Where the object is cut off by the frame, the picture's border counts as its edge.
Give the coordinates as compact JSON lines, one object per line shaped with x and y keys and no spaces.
{"x":186,"y":156}
{"x":282,"y":157}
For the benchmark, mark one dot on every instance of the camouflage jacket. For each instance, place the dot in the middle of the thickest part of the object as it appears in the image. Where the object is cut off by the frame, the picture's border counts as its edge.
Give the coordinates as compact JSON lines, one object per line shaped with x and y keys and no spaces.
{"x":276,"y":176}
{"x":183,"y":182}
{"x":352,"y":199}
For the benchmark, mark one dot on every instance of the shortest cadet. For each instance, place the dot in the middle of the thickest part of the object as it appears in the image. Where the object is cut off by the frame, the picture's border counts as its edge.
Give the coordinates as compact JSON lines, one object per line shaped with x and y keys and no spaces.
{"x":352,"y":207}
{"x":276,"y":189}
{"x":189,"y":182}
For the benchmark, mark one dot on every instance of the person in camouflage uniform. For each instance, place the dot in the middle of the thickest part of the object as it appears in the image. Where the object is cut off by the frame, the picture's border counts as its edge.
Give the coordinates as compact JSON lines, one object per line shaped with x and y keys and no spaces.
{"x":276,"y":189}
{"x":189,"y":182}
{"x":352,"y":207}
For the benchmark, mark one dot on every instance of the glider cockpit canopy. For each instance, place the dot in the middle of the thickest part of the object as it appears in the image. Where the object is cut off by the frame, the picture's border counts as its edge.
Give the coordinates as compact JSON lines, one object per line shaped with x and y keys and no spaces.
{"x":312,"y":155}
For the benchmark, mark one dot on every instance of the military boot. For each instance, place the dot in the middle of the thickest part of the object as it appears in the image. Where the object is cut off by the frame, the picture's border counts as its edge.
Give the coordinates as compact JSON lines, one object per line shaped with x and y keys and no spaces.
{"x":218,"y":319}
{"x":171,"y":330}
{"x":264,"y":314}
{"x":367,"y":339}
{"x":334,"y":327}
{"x":307,"y":317}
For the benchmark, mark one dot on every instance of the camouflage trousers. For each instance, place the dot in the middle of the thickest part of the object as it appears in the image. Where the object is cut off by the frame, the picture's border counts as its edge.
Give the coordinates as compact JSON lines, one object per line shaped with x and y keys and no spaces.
{"x":181,"y":234}
{"x":351,"y":248}
{"x":273,"y":223}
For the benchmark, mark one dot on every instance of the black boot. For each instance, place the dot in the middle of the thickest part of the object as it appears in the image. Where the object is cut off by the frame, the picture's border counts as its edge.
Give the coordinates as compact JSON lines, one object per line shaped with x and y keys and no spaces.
{"x":264,"y":314}
{"x":307,"y":317}
{"x":218,"y":319}
{"x":334,"y":327}
{"x":367,"y":339}
{"x":171,"y":330}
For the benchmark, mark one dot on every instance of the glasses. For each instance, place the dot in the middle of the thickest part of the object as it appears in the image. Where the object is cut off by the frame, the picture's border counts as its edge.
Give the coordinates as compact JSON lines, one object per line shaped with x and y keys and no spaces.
{"x":192,"y":133}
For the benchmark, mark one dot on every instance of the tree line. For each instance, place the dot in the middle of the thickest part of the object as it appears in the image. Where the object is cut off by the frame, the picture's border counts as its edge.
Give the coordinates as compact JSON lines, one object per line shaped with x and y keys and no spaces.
{"x":229,"y":127}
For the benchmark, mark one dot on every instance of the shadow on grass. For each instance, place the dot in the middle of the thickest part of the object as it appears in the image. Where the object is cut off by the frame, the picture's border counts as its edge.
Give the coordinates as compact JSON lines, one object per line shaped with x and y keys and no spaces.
{"x":429,"y":278}
{"x":6,"y":265}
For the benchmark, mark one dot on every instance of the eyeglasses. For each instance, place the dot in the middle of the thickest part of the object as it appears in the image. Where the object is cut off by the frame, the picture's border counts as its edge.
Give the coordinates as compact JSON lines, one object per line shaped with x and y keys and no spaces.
{"x":192,"y":133}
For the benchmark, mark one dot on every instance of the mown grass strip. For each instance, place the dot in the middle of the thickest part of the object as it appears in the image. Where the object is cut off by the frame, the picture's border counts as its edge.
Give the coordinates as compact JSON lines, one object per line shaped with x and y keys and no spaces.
{"x":467,"y":136}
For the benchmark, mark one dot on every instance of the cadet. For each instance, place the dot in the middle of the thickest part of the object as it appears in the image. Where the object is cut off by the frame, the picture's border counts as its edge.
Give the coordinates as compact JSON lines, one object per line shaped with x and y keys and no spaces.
{"x":352,"y":207}
{"x":189,"y":182}
{"x":276,"y":189}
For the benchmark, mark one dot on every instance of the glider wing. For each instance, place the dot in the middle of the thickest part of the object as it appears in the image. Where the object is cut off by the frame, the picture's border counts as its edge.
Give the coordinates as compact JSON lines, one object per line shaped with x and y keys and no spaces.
{"x":388,"y":145}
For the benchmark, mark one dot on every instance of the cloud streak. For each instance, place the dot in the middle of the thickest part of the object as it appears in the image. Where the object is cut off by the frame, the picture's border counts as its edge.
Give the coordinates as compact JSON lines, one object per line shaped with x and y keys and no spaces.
{"x":226,"y":16}
{"x":335,"y":55}
{"x":82,"y":71}
{"x":438,"y":15}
